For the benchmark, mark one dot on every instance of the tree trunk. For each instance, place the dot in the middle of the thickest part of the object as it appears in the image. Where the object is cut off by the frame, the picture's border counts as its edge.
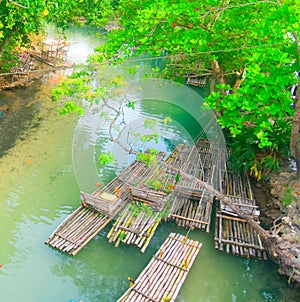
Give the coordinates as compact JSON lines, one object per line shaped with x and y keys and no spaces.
{"x":294,"y":143}
{"x":217,"y":76}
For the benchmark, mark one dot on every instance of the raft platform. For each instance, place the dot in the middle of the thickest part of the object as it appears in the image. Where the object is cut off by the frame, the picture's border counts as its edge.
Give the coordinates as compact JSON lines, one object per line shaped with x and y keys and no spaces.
{"x":235,"y":235}
{"x":232,"y":233}
{"x":163,"y":277}
{"x":192,"y":205}
{"x":77,"y":230}
{"x":141,"y":196}
{"x":134,"y":226}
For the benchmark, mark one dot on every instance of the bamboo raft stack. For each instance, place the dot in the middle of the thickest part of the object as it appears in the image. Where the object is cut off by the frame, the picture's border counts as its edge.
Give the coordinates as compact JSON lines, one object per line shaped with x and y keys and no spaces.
{"x":77,"y":230}
{"x":134,"y":226}
{"x":163,"y":277}
{"x":137,"y":172}
{"x":213,"y":161}
{"x":140,"y":196}
{"x":192,"y":213}
{"x":232,"y":233}
{"x":191,"y":207}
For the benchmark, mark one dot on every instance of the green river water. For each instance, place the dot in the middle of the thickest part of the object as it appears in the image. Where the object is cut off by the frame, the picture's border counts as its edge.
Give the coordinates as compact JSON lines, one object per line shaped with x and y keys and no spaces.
{"x":44,"y":164}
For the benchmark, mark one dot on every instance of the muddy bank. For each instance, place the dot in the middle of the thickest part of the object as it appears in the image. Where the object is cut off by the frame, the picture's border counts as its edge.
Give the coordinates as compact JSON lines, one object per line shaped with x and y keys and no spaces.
{"x":24,"y":111}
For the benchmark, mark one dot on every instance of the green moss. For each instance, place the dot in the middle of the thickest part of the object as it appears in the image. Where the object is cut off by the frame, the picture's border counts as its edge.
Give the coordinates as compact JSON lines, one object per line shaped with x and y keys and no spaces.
{"x":287,"y":197}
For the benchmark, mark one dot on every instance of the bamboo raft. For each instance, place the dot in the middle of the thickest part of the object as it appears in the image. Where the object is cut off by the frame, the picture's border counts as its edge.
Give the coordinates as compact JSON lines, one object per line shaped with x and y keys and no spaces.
{"x":163,"y":277}
{"x":234,"y":235}
{"x":141,"y":196}
{"x":213,"y":160}
{"x":237,"y":185}
{"x":96,"y":211}
{"x":134,"y":226}
{"x":77,"y":230}
{"x":191,"y":207}
{"x":138,"y":221}
{"x":101,"y":207}
{"x":137,"y":172}
{"x":192,"y":213}
{"x":187,"y":159}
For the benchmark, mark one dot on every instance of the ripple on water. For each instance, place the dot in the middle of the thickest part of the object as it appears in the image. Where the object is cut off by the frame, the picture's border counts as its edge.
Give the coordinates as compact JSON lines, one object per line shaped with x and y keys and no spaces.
{"x":14,"y":198}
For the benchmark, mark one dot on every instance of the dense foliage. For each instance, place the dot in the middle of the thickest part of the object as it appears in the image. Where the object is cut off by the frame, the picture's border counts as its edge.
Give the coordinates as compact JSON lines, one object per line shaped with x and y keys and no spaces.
{"x":247,"y":48}
{"x":21,"y":19}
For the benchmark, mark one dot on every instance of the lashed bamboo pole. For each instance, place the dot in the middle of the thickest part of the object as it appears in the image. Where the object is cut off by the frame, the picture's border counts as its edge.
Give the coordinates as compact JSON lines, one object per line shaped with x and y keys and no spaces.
{"x":232,"y":236}
{"x":91,"y":236}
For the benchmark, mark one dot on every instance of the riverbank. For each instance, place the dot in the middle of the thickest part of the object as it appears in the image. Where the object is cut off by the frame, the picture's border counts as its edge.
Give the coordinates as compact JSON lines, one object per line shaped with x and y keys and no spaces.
{"x":279,"y":201}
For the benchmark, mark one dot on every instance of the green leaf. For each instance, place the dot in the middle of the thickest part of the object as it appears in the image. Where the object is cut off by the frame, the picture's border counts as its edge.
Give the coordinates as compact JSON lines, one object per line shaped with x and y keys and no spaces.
{"x":106,"y":158}
{"x":167,"y":120}
{"x":131,"y":105}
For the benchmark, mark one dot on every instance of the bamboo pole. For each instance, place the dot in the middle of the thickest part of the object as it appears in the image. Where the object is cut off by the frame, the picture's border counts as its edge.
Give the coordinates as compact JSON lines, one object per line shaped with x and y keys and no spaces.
{"x":92,"y":235}
{"x":220,"y":233}
{"x":150,"y":236}
{"x":231,"y":229}
{"x":188,"y":219}
{"x":216,"y":234}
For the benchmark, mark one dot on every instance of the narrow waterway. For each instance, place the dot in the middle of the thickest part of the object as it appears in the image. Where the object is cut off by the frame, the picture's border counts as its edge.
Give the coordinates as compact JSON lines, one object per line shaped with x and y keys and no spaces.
{"x":43,"y":167}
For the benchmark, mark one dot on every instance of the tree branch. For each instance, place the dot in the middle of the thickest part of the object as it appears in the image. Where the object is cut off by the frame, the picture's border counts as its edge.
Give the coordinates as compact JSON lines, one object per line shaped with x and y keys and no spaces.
{"x":237,"y":6}
{"x":19,"y":5}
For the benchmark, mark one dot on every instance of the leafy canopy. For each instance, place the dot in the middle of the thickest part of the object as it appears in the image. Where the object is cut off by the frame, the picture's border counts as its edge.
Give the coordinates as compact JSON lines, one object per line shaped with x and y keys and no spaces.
{"x":23,"y":18}
{"x":247,"y":48}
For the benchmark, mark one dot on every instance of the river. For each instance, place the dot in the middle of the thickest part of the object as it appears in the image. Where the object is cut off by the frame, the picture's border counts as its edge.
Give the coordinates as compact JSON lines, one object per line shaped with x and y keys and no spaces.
{"x":43,"y":166}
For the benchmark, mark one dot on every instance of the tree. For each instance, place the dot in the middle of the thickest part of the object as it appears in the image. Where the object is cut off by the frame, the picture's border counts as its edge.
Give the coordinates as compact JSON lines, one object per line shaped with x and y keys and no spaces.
{"x":22,"y":19}
{"x":223,"y":40}
{"x":212,"y":38}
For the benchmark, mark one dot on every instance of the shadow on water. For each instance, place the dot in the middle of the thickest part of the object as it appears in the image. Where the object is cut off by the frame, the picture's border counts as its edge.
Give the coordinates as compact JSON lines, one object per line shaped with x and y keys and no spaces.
{"x":19,"y":117}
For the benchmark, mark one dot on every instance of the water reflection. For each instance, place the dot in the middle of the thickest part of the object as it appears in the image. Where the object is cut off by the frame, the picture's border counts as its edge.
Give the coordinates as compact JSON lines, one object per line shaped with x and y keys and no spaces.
{"x":18,"y":118}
